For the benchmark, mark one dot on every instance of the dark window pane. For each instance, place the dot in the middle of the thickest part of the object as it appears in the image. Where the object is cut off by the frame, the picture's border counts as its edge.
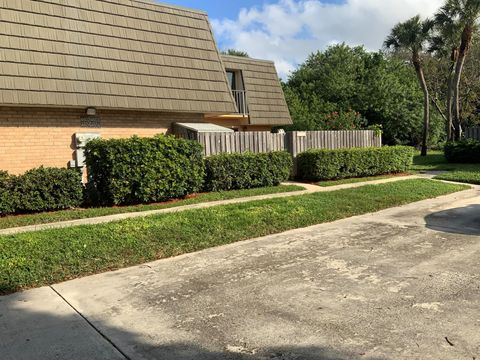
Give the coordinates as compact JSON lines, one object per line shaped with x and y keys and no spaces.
{"x":231,"y":79}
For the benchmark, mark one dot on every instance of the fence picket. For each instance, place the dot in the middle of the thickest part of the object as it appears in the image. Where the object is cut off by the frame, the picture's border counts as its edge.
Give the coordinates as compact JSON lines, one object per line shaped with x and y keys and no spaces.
{"x":472,"y":133}
{"x":294,"y":142}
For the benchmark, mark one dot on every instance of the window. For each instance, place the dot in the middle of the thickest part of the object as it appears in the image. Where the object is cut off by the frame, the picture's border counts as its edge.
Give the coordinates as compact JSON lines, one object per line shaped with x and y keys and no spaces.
{"x":235,"y":81}
{"x":231,"y":75}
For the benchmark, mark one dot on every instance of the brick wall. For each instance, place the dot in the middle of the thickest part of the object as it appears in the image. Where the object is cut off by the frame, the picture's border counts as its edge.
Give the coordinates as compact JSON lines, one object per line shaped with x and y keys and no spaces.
{"x":30,"y":137}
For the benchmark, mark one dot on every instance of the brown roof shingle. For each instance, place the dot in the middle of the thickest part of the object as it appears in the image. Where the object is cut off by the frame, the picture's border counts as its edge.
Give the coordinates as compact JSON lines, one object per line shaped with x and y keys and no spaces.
{"x":124,"y":54}
{"x":265,"y":97}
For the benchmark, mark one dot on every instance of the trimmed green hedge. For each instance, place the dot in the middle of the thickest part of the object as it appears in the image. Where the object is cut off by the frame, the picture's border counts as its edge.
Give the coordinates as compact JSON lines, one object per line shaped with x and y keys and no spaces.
{"x":246,"y":170}
{"x":143,"y":170}
{"x":316,"y":165}
{"x":465,"y":151}
{"x":41,"y":189}
{"x":7,"y":195}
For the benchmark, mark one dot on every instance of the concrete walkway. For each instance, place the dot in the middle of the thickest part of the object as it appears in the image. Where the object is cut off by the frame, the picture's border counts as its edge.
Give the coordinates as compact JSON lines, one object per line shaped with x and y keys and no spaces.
{"x":402,"y":283}
{"x":309,"y":188}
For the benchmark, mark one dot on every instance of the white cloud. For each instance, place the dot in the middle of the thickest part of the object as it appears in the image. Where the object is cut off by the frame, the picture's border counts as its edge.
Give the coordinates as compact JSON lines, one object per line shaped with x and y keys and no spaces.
{"x":287,"y":31}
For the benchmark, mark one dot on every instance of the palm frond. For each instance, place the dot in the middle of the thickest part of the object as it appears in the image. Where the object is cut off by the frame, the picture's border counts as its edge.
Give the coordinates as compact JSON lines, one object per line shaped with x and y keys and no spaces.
{"x":391,"y":42}
{"x":412,"y":34}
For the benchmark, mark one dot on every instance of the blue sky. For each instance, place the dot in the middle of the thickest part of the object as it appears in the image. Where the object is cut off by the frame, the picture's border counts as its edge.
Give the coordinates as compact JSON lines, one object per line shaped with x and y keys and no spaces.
{"x":225,"y":8}
{"x":218,"y":9}
{"x":287,"y":31}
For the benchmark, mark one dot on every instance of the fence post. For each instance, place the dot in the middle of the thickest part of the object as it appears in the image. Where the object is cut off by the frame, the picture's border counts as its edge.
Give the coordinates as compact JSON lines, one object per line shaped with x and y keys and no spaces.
{"x":294,"y":142}
{"x":291,"y":146}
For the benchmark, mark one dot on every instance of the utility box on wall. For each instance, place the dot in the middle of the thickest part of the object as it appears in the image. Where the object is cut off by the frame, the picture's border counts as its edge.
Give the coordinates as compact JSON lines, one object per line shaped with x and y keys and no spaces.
{"x":81,"y":140}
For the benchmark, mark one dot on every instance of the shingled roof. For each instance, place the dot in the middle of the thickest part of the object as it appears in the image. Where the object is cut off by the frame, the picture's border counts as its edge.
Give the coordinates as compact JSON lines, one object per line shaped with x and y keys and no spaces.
{"x":265,"y":97}
{"x":119,"y":54}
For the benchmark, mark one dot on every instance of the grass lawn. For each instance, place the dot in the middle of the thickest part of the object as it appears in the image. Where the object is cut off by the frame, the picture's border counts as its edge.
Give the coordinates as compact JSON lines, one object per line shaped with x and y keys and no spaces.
{"x":357,"y":180}
{"x":469,"y":177}
{"x":46,"y":257}
{"x":435,"y":160}
{"x":44,"y":218}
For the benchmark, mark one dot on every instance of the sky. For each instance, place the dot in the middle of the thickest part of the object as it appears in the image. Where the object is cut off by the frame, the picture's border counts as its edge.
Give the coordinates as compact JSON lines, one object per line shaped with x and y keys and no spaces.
{"x":287,"y":31}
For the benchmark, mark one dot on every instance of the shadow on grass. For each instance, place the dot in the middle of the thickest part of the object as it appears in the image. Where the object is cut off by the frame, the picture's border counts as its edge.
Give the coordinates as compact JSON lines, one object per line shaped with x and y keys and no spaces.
{"x":55,"y":331}
{"x":464,"y":220}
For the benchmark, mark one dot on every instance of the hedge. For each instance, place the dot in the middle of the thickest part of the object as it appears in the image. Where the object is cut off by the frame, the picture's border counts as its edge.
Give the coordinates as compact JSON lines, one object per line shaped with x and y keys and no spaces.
{"x":41,"y":189}
{"x":143,"y":170}
{"x":7,"y":196}
{"x":465,"y":151}
{"x":246,"y":170}
{"x":316,"y":165}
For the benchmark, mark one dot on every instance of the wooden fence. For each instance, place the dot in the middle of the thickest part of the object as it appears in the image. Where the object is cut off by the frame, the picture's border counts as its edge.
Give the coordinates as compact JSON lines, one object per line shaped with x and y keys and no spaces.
{"x":295,"y":142}
{"x":301,"y":141}
{"x":472,"y":133}
{"x":238,"y":142}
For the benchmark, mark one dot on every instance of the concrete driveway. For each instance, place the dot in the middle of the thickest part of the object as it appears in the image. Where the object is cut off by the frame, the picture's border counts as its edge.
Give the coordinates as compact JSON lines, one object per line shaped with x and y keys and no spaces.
{"x":399,"y":284}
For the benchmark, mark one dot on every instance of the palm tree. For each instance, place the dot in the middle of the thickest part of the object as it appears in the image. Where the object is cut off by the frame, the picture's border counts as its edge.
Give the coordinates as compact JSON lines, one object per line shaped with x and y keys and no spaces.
{"x":466,"y":13}
{"x":445,"y":43}
{"x":235,"y":52}
{"x":413,"y":35}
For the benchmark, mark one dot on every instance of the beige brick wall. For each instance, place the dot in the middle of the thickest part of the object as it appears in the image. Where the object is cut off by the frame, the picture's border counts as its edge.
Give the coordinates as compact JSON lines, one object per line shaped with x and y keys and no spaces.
{"x":31,"y":137}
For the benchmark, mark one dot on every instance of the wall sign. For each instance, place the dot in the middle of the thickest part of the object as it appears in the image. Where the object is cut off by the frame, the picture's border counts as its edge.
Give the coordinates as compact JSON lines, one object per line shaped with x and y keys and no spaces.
{"x":90,"y":122}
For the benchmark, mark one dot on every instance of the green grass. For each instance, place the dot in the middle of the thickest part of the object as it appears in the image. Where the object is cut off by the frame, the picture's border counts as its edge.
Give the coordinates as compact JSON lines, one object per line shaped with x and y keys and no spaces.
{"x":469,"y":177}
{"x":50,"y":217}
{"x":436,"y":161}
{"x":45,"y":257}
{"x":357,"y":180}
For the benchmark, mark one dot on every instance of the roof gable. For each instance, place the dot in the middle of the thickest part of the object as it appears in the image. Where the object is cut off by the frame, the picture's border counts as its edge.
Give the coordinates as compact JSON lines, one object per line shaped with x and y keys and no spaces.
{"x":265,"y":97}
{"x":122,"y":54}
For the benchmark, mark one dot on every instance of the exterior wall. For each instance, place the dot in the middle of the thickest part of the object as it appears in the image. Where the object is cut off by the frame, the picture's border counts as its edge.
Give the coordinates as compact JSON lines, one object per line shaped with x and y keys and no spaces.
{"x":258,"y":128}
{"x":236,"y":124}
{"x":31,"y":137}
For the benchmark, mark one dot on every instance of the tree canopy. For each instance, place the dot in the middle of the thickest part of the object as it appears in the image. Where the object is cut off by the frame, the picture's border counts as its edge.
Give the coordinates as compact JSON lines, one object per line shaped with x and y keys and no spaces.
{"x":414,"y":36}
{"x":382,"y":89}
{"x":347,"y":87}
{"x":234,"y":52}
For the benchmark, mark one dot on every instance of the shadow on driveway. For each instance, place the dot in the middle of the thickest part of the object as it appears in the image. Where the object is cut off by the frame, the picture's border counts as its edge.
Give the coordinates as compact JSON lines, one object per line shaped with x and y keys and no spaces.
{"x":464,"y":220}
{"x":42,"y":334}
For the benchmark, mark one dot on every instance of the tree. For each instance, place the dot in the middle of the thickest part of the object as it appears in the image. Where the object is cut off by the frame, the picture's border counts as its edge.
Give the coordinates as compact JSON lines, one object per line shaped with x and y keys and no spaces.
{"x":438,"y":69}
{"x":334,"y":76}
{"x":445,"y":44}
{"x":234,"y":52}
{"x":466,"y":13}
{"x":393,"y":99}
{"x":413,"y":35}
{"x":326,"y":83}
{"x":381,"y":87}
{"x":470,"y":86}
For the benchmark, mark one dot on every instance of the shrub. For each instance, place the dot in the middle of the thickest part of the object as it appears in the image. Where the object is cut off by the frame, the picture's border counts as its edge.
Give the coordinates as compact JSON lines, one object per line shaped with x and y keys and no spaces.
{"x":41,"y":189}
{"x":465,"y":151}
{"x":246,"y":170}
{"x":7,"y":197}
{"x":45,"y":189}
{"x":323,"y":164}
{"x":143,"y":170}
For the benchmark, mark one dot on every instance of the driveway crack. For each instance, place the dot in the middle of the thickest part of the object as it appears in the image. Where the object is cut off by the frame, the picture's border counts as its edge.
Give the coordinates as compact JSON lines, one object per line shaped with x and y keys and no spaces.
{"x":97,"y":330}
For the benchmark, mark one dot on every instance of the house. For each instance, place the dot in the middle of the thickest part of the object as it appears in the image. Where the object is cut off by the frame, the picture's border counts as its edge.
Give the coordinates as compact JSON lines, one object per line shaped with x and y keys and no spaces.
{"x":257,"y":92}
{"x":76,"y":69}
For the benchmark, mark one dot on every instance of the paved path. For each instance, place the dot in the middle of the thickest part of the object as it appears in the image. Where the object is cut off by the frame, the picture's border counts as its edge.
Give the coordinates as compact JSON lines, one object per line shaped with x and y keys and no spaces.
{"x":309,"y":188}
{"x":402,"y":283}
